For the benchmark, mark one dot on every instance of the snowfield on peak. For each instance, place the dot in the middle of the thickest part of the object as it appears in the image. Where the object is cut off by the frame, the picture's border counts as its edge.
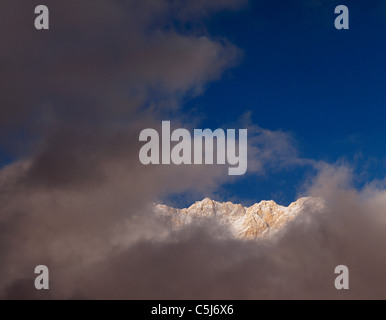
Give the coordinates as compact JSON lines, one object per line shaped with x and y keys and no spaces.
{"x":259,"y":220}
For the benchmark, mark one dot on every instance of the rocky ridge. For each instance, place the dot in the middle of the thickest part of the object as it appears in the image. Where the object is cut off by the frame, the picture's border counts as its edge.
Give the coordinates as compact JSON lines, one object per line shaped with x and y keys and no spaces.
{"x":259,"y":220}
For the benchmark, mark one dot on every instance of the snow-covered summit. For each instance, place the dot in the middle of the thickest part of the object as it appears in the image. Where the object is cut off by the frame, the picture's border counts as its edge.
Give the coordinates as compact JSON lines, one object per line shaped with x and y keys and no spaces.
{"x":260,"y":219}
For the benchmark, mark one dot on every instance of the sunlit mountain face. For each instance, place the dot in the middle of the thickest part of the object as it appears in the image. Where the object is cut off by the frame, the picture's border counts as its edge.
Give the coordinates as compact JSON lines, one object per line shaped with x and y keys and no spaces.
{"x":257,"y":221}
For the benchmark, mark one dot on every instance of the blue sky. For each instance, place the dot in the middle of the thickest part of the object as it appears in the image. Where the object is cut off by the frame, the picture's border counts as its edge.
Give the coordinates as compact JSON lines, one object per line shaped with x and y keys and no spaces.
{"x":301,"y":75}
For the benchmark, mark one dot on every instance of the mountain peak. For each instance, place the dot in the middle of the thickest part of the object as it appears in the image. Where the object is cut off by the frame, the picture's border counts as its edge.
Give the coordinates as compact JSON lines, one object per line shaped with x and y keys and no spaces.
{"x":256,"y":221}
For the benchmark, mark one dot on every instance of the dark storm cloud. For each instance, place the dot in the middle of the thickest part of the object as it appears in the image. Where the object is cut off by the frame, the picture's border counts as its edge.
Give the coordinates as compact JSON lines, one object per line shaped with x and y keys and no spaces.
{"x":73,"y":102}
{"x":100,"y":60}
{"x":67,"y":92}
